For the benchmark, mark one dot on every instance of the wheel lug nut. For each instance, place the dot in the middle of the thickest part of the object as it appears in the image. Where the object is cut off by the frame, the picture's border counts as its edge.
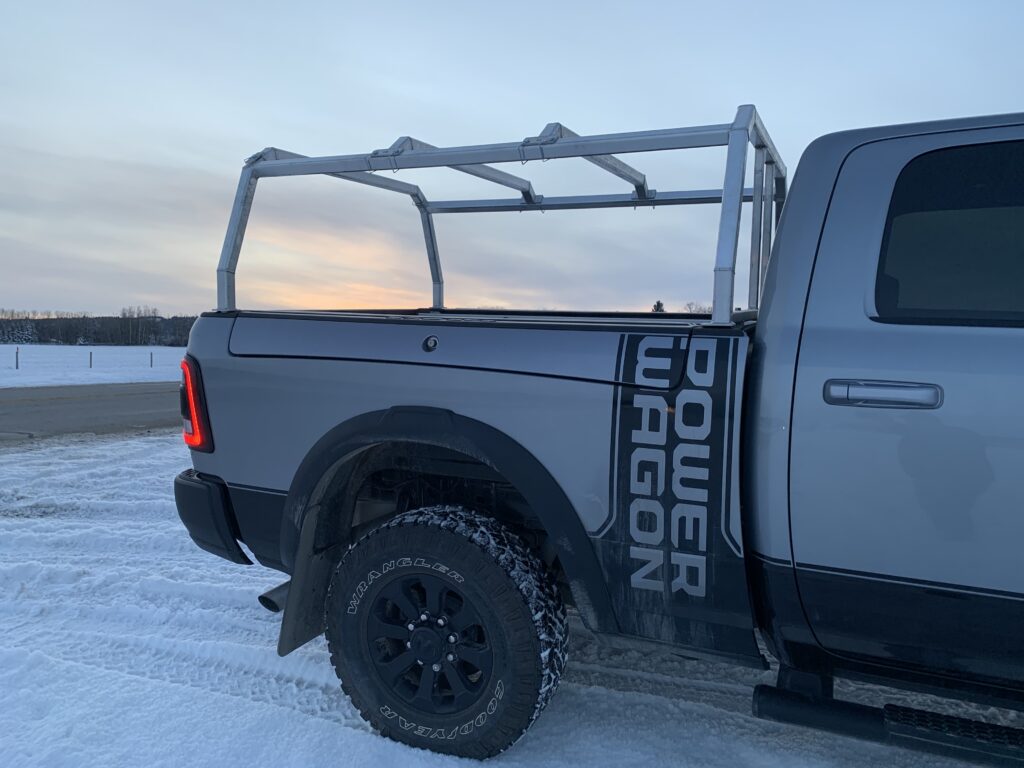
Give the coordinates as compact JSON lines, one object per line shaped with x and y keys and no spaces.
{"x":410,"y":627}
{"x":436,"y":667}
{"x":408,"y":644}
{"x":424,"y":617}
{"x":453,"y":638}
{"x":450,"y":657}
{"x":442,"y":621}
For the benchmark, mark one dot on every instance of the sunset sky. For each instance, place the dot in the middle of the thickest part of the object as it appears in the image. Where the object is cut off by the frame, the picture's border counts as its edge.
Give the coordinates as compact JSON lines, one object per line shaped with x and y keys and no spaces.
{"x":123,"y":127}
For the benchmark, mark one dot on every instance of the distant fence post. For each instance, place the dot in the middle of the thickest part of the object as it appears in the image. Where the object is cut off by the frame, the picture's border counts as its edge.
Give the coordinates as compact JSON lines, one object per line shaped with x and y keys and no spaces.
{"x":90,"y":359}
{"x":150,"y":359}
{"x":17,"y":358}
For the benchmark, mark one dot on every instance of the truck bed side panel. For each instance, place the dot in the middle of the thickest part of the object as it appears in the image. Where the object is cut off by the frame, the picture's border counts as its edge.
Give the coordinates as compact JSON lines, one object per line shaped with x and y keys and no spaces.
{"x":570,"y":396}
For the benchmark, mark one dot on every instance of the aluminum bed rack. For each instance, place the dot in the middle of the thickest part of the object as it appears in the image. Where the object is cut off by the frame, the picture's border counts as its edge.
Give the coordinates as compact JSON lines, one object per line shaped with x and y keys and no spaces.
{"x":554,"y":142}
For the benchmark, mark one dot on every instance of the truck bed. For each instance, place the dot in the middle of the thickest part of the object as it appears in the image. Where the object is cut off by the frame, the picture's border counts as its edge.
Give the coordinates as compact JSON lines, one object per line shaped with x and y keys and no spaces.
{"x":578,"y":391}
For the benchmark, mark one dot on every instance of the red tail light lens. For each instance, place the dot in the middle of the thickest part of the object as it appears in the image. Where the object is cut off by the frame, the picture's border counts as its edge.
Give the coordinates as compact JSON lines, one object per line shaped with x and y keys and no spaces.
{"x":195,"y":424}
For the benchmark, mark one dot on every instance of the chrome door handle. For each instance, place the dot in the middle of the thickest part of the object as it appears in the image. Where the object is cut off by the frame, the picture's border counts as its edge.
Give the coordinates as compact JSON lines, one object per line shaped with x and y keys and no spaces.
{"x":882,"y":394}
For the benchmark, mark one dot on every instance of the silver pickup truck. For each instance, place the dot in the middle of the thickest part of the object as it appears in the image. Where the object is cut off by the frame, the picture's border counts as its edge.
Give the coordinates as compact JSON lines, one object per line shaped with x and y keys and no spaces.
{"x":834,"y":469}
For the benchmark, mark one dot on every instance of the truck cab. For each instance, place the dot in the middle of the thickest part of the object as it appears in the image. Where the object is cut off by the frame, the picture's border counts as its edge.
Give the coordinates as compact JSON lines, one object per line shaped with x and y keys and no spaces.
{"x":885,"y":409}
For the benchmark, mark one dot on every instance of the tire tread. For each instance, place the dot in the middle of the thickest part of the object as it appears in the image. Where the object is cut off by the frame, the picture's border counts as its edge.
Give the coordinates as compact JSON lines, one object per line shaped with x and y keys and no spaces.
{"x":525,"y":570}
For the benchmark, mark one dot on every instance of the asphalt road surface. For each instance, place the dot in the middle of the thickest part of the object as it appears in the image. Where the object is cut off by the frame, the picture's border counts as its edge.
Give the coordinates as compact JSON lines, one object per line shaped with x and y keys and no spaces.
{"x":33,"y":412}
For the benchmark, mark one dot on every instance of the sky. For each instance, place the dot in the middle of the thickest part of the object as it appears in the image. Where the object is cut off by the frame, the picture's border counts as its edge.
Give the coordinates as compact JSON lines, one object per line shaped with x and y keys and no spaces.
{"x":123,"y":127}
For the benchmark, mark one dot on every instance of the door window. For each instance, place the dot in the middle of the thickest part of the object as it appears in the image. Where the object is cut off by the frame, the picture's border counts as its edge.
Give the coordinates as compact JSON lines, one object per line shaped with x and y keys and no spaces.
{"x":953,"y":249}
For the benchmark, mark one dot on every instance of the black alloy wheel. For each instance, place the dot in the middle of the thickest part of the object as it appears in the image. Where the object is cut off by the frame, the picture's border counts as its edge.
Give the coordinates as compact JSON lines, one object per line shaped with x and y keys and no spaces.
{"x":428,"y":644}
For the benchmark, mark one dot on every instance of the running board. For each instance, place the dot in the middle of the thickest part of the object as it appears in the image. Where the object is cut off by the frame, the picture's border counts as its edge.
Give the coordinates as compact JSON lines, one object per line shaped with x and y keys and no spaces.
{"x":902,"y":726}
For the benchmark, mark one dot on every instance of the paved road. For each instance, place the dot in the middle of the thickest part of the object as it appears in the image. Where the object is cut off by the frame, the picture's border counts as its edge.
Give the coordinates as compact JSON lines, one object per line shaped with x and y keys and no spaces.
{"x":32,"y":412}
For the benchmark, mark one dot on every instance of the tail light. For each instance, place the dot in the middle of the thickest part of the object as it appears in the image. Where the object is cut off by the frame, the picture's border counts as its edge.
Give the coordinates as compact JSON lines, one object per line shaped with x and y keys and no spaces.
{"x":195,"y":422}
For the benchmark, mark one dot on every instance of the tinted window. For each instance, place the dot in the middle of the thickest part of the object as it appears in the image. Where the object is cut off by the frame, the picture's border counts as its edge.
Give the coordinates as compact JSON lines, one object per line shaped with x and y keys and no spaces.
{"x":953,"y":249}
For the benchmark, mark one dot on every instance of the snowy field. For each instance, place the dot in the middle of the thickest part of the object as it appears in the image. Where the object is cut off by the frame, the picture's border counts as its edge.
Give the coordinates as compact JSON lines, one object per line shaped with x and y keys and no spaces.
{"x":44,"y":365}
{"x":122,"y":644}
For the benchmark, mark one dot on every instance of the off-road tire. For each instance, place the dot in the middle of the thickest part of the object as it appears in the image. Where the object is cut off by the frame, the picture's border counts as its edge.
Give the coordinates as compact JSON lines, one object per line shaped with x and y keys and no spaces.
{"x":446,"y":554}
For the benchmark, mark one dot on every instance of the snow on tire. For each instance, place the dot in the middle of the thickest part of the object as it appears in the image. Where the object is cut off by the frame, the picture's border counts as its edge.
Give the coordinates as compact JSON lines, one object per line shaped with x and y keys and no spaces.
{"x":446,"y":631}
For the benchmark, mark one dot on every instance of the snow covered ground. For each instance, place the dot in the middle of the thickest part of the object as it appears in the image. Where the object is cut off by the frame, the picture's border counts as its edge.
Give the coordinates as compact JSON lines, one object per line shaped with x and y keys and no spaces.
{"x":122,"y":644}
{"x":53,"y":364}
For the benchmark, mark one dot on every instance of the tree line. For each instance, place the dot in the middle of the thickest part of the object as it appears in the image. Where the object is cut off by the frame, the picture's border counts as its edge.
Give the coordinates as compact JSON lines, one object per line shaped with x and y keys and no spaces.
{"x":134,"y":325}
{"x":691,"y":308}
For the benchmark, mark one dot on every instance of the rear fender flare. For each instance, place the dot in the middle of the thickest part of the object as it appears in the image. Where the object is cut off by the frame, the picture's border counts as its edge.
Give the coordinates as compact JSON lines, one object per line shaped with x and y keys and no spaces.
{"x":311,"y":563}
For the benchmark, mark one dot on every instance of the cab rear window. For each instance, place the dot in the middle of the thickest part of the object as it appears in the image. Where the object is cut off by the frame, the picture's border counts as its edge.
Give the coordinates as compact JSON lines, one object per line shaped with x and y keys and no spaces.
{"x":953,"y":249}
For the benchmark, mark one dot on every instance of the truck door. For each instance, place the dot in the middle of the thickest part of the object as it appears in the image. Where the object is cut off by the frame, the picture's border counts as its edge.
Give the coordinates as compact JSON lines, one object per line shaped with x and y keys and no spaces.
{"x":907,"y":441}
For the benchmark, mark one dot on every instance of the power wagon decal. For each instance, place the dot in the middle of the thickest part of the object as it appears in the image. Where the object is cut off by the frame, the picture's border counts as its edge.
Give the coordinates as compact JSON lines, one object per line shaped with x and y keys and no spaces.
{"x":673,"y":549}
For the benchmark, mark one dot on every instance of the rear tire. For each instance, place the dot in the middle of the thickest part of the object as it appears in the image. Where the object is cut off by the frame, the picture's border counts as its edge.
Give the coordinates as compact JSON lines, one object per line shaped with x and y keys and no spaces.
{"x":446,"y":631}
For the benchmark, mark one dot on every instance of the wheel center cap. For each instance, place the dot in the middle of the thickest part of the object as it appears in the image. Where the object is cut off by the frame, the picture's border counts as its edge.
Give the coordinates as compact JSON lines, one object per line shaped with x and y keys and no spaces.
{"x":426,"y":644}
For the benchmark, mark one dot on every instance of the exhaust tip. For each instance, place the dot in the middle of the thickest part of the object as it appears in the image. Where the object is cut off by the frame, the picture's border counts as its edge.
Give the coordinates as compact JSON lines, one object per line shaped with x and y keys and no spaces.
{"x":275,"y":599}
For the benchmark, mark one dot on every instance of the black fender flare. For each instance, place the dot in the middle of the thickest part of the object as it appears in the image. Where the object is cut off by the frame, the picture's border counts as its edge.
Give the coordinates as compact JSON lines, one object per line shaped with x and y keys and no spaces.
{"x":310,"y":562}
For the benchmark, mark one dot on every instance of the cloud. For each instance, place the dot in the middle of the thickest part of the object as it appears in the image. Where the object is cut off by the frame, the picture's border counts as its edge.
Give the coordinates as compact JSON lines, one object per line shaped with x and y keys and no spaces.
{"x":309,"y":232}
{"x":187,"y":93}
{"x":96,"y":234}
{"x":35,"y":276}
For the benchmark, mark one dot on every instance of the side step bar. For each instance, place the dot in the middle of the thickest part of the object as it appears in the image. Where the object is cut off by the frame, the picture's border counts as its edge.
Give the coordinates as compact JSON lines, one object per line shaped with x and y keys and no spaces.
{"x":902,"y":726}
{"x":274,"y":599}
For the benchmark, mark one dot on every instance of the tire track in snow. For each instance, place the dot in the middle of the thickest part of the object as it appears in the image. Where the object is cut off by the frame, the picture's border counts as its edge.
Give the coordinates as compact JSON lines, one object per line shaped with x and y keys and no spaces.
{"x":240,"y":671}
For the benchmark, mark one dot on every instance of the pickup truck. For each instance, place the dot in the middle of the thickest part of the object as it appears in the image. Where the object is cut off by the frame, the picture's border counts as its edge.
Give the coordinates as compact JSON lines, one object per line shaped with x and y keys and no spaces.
{"x":829,"y":477}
